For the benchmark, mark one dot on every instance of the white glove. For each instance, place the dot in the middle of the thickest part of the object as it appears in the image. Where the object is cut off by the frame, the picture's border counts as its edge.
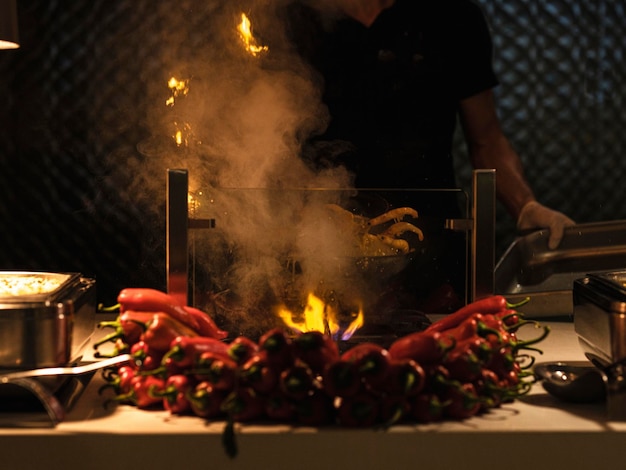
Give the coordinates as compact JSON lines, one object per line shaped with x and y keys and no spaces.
{"x":537,"y":216}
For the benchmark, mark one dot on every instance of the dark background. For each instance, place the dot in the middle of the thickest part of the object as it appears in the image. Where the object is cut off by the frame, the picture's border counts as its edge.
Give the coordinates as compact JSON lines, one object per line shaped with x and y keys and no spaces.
{"x":77,"y":98}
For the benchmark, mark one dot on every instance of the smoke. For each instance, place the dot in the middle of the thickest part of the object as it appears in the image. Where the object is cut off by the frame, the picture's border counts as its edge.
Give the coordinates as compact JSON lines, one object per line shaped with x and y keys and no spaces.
{"x":242,"y":120}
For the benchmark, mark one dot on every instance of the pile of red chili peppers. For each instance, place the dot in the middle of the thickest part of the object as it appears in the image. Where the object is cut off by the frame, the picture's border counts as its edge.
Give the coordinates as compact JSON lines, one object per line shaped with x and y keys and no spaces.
{"x":460,"y":366}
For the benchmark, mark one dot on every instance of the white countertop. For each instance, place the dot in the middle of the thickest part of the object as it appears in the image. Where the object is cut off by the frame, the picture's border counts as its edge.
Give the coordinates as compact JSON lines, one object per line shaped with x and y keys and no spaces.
{"x":536,"y":431}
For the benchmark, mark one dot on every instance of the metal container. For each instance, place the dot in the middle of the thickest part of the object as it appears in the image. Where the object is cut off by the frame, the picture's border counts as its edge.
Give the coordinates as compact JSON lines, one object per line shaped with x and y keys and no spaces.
{"x":530,"y":269}
{"x":600,"y":323}
{"x":600,"y":316}
{"x":46,"y":319}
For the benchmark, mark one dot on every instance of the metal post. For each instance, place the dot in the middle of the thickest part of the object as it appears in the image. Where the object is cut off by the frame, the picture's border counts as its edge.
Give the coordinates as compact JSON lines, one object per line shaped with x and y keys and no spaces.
{"x":483,"y":233}
{"x":177,"y":238}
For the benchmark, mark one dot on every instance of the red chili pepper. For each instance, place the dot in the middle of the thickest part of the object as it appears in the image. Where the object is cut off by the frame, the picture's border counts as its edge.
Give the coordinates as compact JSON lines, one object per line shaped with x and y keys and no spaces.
{"x":361,"y":410}
{"x":502,"y":361}
{"x":152,"y":300}
{"x":488,"y":385}
{"x":216,"y":368}
{"x":422,"y":347}
{"x":481,"y":347}
{"x":162,"y":330}
{"x":394,"y":409}
{"x":175,"y":394}
{"x":297,"y":381}
{"x":144,"y":391}
{"x":426,"y":408}
{"x":477,"y":325}
{"x":437,"y":378}
{"x":144,"y":357}
{"x":278,"y":348}
{"x":463,"y":365}
{"x":315,"y":410}
{"x":242,"y":348}
{"x":405,"y":377}
{"x":316,"y":349}
{"x":341,"y":379}
{"x":462,"y":401}
{"x":128,"y":326}
{"x":371,"y":361}
{"x":279,"y":407}
{"x":260,"y":374}
{"x":119,"y":379}
{"x":185,"y":350}
{"x":512,"y":319}
{"x":244,"y":404}
{"x":206,"y":401}
{"x":491,"y":304}
{"x":206,"y":325}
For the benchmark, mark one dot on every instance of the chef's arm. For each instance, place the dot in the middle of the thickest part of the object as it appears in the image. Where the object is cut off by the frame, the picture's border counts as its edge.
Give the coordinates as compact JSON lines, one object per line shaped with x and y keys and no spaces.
{"x":488,"y":147}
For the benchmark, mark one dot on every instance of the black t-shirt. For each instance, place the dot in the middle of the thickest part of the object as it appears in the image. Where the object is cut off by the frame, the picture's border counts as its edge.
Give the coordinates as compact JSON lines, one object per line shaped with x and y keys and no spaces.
{"x":393,"y":89}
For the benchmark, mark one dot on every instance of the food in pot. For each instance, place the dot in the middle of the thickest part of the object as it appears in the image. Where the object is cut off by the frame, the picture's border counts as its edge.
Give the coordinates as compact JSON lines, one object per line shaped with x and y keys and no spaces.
{"x":19,"y":284}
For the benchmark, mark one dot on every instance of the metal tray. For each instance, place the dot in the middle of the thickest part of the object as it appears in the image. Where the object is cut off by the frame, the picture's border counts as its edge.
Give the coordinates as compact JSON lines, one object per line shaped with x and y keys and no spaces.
{"x":530,"y":269}
{"x":49,"y":327}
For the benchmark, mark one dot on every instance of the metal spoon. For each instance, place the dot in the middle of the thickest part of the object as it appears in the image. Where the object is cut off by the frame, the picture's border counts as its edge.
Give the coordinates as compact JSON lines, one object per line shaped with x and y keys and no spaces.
{"x":63,"y":371}
{"x":575,"y":382}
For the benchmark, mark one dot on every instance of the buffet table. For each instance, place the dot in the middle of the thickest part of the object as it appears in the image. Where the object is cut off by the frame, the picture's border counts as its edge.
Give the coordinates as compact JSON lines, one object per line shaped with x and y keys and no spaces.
{"x":537,"y":431}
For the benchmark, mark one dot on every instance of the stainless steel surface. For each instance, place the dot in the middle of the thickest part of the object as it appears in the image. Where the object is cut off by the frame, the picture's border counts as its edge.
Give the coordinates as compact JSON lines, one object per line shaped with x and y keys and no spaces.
{"x":483,"y":234}
{"x":530,"y":269}
{"x":47,"y":329}
{"x":177,"y":238}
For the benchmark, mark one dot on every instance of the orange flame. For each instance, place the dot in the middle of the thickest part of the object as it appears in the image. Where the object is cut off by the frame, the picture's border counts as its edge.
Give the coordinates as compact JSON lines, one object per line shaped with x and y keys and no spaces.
{"x":177,"y":88}
{"x":320,"y":316}
{"x":249,"y":42}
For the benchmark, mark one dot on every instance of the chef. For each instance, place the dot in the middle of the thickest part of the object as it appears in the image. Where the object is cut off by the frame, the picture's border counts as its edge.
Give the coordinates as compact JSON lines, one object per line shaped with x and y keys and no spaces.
{"x":397,"y":76}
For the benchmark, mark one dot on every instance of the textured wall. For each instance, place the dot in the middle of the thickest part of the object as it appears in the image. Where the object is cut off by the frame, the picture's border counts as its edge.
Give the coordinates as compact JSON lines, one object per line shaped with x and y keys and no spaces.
{"x":77,"y":112}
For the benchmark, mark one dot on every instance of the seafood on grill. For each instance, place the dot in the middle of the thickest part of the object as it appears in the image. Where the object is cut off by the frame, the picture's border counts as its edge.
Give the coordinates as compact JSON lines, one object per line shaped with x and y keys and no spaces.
{"x":378,"y":236}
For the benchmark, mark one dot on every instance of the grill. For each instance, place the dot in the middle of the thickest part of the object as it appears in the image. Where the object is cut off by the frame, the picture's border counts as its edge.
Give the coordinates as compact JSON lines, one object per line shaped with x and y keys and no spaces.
{"x":199,"y":252}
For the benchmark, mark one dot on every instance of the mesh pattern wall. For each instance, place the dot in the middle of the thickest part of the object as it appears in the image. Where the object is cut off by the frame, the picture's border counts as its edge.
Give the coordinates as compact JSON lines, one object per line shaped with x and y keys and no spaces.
{"x":78,"y":90}
{"x":561,"y":102}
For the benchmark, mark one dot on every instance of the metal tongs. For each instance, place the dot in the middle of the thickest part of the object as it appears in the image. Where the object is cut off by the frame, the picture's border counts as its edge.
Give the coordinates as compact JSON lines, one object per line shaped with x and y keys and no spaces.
{"x":63,"y":371}
{"x":25,"y":381}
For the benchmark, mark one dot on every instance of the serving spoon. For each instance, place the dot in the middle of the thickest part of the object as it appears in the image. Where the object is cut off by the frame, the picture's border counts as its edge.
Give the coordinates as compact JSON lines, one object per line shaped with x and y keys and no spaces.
{"x":575,"y":382}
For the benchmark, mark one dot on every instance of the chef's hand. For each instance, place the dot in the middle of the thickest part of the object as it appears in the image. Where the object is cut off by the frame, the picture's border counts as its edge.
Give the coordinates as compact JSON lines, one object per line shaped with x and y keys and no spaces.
{"x":537,"y":216}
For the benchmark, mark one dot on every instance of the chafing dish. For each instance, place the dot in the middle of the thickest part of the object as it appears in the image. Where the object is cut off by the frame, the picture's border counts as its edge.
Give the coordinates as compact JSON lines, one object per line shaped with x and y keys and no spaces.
{"x":46,"y":319}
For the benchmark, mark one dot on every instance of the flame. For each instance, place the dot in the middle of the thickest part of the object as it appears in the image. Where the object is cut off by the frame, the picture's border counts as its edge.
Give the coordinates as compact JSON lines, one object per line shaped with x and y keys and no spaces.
{"x":177,"y":88}
{"x":182,"y":134}
{"x":353,"y":326}
{"x":320,"y":316}
{"x":249,"y":42}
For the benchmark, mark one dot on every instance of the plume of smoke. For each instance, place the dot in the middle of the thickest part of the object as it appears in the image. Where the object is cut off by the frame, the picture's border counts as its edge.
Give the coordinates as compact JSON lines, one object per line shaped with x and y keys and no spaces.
{"x":244,"y":119}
